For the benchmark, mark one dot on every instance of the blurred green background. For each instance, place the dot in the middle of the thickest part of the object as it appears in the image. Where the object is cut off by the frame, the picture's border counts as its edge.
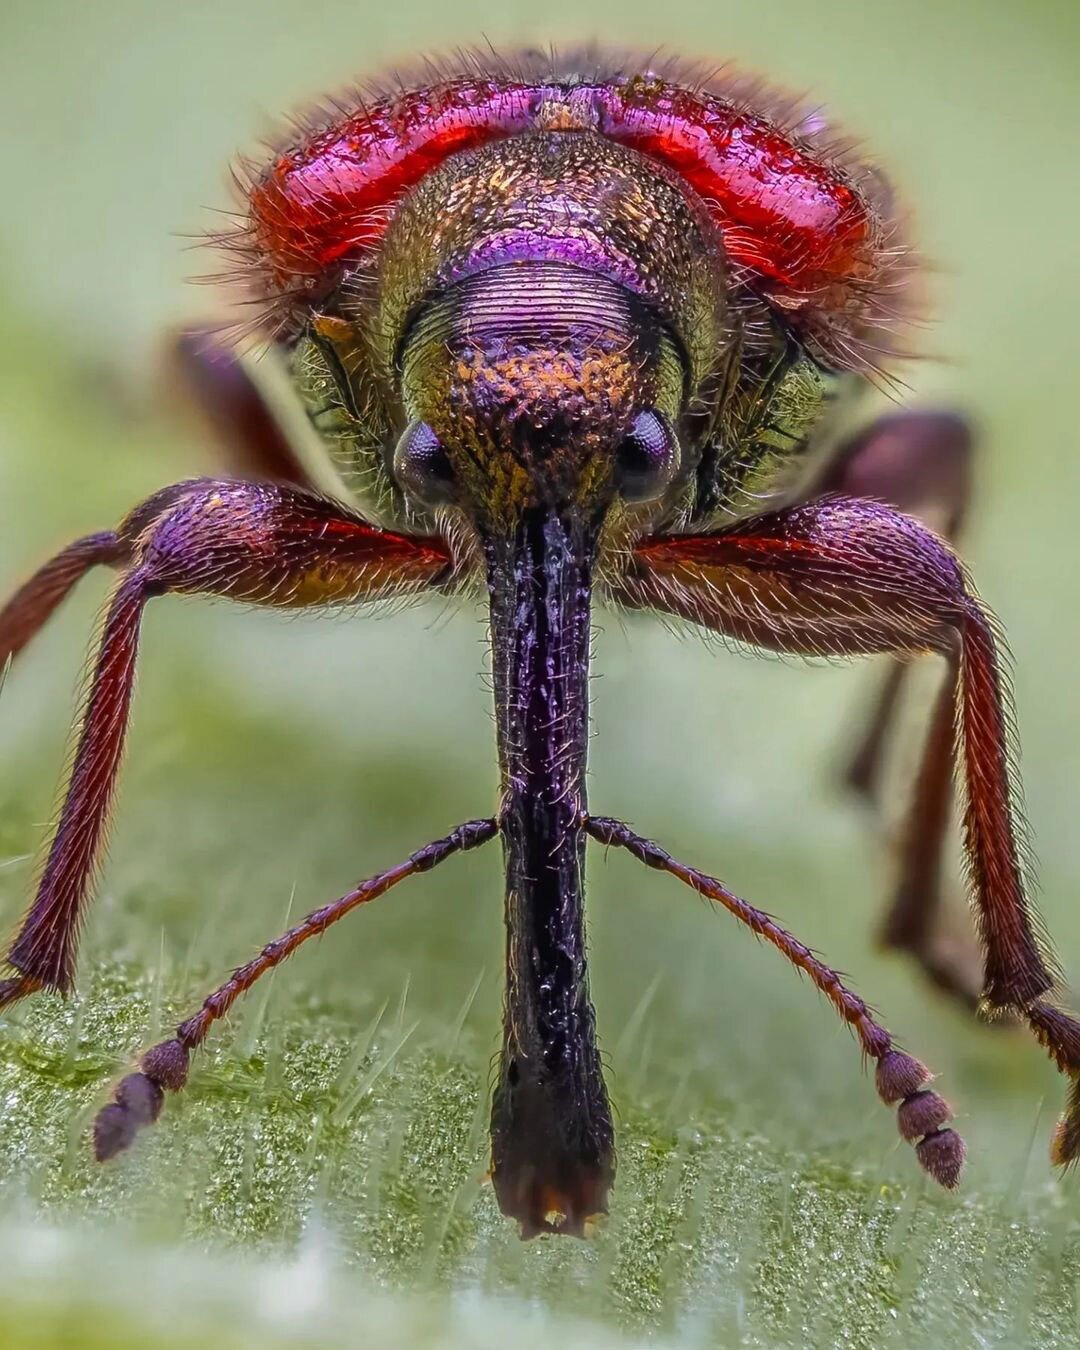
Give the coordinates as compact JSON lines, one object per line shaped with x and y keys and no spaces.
{"x":321,"y":1180}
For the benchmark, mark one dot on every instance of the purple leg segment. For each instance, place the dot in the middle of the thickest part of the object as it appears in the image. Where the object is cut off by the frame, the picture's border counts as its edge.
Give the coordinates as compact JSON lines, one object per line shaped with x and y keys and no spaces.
{"x":846,"y":576}
{"x":255,"y":542}
{"x":919,"y":462}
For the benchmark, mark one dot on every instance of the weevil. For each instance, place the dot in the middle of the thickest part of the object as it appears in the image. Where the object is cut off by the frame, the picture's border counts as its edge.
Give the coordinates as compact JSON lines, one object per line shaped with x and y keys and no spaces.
{"x":572,"y":330}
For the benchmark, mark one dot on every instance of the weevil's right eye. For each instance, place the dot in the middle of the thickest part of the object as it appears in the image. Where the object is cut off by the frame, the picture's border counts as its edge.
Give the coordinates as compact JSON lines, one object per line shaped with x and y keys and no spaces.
{"x":648,"y":458}
{"x":421,"y":466}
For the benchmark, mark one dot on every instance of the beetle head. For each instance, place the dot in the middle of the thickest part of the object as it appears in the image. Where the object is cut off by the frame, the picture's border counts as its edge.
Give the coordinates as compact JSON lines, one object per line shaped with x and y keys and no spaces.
{"x":548,"y":307}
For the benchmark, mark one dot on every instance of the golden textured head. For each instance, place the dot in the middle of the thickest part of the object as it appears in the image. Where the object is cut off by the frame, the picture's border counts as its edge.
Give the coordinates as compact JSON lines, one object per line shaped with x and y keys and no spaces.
{"x":545,"y":350}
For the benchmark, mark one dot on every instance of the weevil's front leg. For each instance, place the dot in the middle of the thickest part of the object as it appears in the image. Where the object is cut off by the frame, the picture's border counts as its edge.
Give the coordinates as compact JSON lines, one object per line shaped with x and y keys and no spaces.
{"x":254,"y":542}
{"x":138,"y":1098}
{"x":844,"y":576}
{"x":33,"y":604}
{"x":218,"y":382}
{"x":918,"y":461}
{"x":900,"y":1078}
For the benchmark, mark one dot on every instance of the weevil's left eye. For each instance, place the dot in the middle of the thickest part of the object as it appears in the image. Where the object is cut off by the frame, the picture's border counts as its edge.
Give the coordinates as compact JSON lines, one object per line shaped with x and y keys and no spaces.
{"x":421,"y":466}
{"x":648,"y":458}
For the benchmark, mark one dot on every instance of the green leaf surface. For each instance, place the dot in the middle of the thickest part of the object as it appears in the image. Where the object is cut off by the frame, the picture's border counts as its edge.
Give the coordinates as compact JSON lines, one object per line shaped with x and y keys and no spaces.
{"x":351,"y":1159}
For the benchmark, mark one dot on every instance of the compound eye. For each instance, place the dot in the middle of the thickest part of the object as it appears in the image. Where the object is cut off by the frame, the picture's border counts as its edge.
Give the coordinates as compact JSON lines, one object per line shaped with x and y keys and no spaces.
{"x":648,"y":458}
{"x":421,"y":466}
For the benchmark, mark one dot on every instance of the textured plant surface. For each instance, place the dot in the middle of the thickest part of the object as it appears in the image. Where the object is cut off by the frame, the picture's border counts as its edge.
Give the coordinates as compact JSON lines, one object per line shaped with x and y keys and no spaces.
{"x":350,"y":1160}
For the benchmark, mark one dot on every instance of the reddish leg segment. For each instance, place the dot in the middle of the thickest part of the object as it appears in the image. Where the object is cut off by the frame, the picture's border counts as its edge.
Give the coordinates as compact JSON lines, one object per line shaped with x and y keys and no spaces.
{"x":44,"y":951}
{"x":899,"y":1077}
{"x":841,"y":576}
{"x":919,"y":462}
{"x":254,"y":542}
{"x":34,"y":602}
{"x":138,"y":1097}
{"x":20,"y":619}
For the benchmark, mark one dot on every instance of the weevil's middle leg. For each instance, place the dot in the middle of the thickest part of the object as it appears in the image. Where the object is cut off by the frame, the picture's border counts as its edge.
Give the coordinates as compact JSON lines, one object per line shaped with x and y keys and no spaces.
{"x":138,"y":1098}
{"x":922,"y":1115}
{"x":912,"y":921}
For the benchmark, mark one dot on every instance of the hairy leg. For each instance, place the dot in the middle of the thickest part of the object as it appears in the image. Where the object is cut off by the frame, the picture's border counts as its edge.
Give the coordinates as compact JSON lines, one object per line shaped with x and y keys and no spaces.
{"x":919,"y":462}
{"x":899,"y":1077}
{"x":138,"y":1098}
{"x":846,"y":576}
{"x":259,"y":543}
{"x":36,"y":599}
